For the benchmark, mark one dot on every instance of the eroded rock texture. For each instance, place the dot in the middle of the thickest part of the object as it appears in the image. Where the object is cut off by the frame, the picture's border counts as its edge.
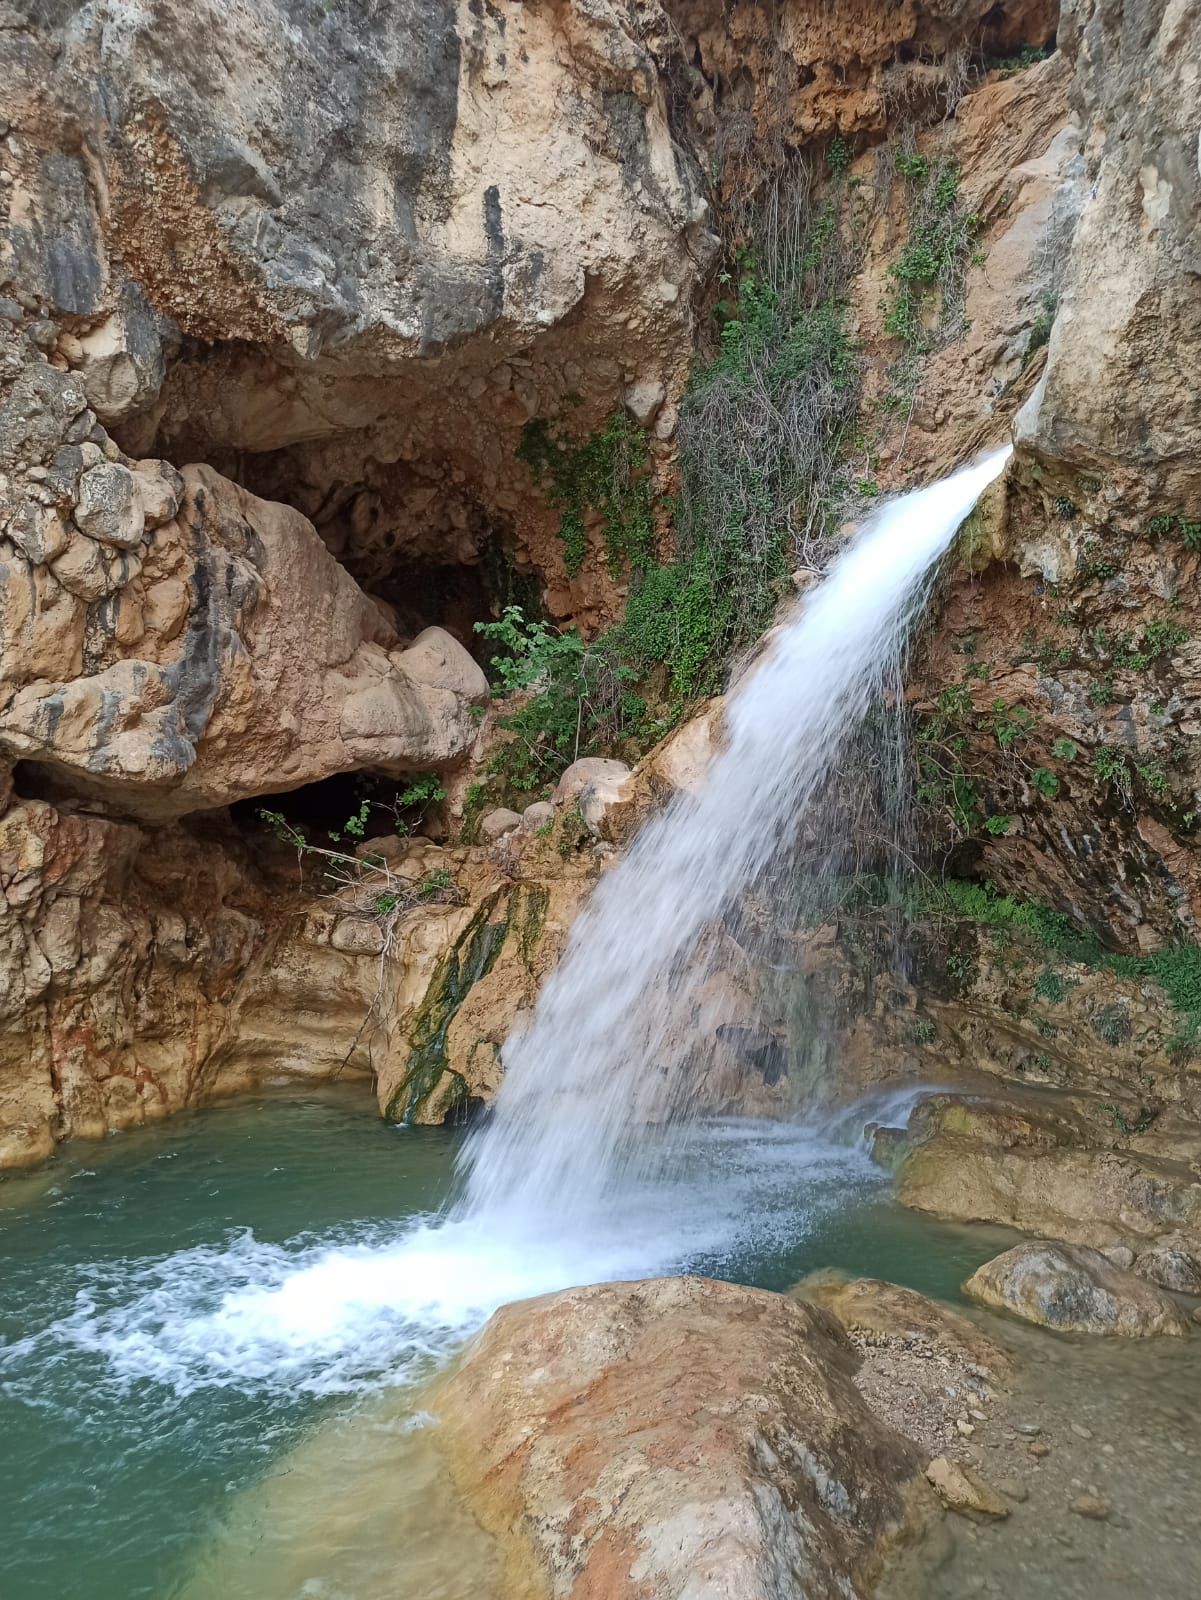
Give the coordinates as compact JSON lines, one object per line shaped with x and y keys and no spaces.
{"x":340,"y":257}
{"x":347,"y":254}
{"x":274,"y":316}
{"x":677,"y":1437}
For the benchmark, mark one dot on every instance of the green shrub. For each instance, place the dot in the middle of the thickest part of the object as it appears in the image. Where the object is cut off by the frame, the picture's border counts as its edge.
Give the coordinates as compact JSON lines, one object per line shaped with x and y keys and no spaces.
{"x":606,"y":473}
{"x":579,"y":700}
{"x":1112,"y":1023}
{"x":1049,"y":985}
{"x":932,"y":267}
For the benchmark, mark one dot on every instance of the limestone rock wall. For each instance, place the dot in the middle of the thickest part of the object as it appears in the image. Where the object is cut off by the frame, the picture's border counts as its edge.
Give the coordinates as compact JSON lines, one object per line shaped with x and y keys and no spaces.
{"x":173,"y":643}
{"x":273,"y":316}
{"x":345,"y":254}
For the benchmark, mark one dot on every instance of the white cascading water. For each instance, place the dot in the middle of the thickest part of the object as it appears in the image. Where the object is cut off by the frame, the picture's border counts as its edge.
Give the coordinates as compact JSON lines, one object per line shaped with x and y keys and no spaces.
{"x":591,"y":1166}
{"x":603,"y":1060}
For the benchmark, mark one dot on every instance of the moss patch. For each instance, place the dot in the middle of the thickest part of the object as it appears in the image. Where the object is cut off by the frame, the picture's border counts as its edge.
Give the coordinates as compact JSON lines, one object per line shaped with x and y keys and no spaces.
{"x":471,"y":958}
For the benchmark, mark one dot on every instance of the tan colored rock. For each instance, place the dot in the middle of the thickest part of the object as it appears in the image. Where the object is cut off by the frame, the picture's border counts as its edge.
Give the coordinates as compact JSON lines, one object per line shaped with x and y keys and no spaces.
{"x":1075,"y":1290}
{"x":962,"y":1489}
{"x":869,"y":1305}
{"x":143,"y":971}
{"x":677,"y":1437}
{"x":285,"y":675}
{"x":812,"y":72}
{"x":596,"y":787}
{"x":588,"y":770}
{"x":39,"y":533}
{"x":1116,"y":389}
{"x":554,"y":267}
{"x":921,"y":1361}
{"x":83,"y":569}
{"x":495,"y":824}
{"x":360,"y":936}
{"x":109,"y":506}
{"x":1092,"y":1507}
{"x":461,"y":978}
{"x":1172,"y":1263}
{"x":683,"y":758}
{"x":159,"y":489}
{"x":1041,"y":1166}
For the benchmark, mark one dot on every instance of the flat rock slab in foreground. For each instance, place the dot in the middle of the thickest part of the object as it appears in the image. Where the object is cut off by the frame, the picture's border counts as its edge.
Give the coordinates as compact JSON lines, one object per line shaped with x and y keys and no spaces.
{"x":1076,"y":1290}
{"x":677,"y":1438}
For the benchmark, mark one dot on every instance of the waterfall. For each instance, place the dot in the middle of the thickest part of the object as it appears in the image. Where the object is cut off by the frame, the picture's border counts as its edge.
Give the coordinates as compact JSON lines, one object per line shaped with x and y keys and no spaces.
{"x":597,"y":1162}
{"x":604,"y":1068}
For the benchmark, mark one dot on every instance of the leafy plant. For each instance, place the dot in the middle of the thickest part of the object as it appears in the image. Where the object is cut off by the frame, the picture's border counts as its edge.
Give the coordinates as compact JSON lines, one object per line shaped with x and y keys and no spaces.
{"x":577,"y":698}
{"x":1111,"y":767}
{"x":838,"y":154}
{"x":1006,"y":66}
{"x":1146,"y":1116}
{"x":932,"y":267}
{"x":1049,"y":985}
{"x":607,"y":473}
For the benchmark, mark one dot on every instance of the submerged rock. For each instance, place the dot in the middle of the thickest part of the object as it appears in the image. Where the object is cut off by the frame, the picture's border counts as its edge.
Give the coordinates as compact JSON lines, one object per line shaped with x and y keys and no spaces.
{"x":636,"y":1441}
{"x":1076,"y":1290}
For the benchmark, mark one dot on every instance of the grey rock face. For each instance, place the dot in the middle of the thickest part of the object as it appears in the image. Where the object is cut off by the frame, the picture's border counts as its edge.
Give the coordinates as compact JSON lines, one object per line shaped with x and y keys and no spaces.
{"x":109,"y":507}
{"x":1075,"y":1290}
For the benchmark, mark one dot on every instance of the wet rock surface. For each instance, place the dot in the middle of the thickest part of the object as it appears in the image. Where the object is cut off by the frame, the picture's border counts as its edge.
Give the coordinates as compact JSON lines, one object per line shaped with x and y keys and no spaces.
{"x":676,"y":1437}
{"x":1075,"y":1290}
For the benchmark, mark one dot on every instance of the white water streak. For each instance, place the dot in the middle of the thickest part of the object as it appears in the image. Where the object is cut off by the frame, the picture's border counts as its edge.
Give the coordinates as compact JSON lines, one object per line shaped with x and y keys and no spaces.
{"x":602,"y":1057}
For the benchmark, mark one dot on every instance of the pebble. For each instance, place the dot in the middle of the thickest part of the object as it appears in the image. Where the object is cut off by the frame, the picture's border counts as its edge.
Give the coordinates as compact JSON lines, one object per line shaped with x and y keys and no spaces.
{"x":965,"y":1428}
{"x":1039,"y":1450}
{"x":1013,"y":1489}
{"x":1093,"y":1507}
{"x":1081,"y":1431}
{"x":1028,"y":1428}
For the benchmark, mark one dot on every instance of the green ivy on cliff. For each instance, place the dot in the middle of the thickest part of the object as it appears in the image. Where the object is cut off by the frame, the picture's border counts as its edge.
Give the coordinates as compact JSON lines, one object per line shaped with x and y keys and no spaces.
{"x":1176,"y":968}
{"x":926,"y":303}
{"x":606,"y":474}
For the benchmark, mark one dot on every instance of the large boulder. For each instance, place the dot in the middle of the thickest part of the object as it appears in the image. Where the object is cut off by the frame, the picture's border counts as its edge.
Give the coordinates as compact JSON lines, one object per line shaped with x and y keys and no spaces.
{"x":219,"y":654}
{"x":681,"y":1437}
{"x":1075,"y":1290}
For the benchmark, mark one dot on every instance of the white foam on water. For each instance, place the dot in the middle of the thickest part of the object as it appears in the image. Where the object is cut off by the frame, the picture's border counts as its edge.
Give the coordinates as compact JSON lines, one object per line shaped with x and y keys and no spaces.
{"x":338,"y":1316}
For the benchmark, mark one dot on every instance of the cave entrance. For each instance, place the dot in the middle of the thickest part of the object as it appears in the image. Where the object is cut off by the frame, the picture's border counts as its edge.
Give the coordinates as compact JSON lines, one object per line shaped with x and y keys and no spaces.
{"x":344,"y":810}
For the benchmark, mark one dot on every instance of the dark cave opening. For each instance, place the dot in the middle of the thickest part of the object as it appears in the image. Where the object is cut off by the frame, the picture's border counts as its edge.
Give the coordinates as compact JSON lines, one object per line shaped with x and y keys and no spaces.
{"x":341,"y":811}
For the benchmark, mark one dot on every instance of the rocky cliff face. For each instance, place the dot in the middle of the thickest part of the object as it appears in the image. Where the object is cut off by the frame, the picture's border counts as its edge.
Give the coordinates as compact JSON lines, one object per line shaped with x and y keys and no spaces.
{"x":276,"y":315}
{"x":343,"y":257}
